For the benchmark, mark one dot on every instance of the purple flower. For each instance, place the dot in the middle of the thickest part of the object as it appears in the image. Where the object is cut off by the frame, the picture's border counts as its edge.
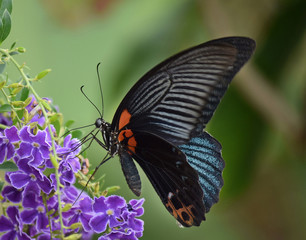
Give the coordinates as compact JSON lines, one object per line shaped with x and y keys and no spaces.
{"x":12,"y":194}
{"x":70,"y":193}
{"x":67,"y":176}
{"x":35,"y":112}
{"x":7,"y":149}
{"x":134,"y":209}
{"x":12,"y":226}
{"x":28,"y":176}
{"x":34,"y":146}
{"x":81,"y":213}
{"x":108,"y":212}
{"x":71,"y":148}
{"x":135,"y":206}
{"x":35,"y":210}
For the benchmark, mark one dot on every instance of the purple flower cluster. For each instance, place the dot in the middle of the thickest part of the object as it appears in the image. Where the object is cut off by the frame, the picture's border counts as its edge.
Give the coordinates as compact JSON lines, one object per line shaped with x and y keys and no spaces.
{"x":111,"y":216}
{"x":33,"y":186}
{"x":35,"y":112}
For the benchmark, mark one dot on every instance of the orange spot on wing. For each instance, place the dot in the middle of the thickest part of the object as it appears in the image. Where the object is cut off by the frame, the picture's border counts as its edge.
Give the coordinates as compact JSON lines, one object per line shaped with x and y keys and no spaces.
{"x":126,"y":136}
{"x":132,"y":144}
{"x":124,"y":118}
{"x":178,"y":213}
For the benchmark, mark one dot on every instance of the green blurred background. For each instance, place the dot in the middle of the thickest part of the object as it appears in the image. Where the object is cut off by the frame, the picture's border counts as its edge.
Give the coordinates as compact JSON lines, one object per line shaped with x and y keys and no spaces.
{"x":260,"y":122}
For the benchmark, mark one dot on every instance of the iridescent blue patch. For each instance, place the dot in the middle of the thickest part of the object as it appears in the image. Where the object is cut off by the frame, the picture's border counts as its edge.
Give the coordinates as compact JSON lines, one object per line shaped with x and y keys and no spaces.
{"x":204,"y":155}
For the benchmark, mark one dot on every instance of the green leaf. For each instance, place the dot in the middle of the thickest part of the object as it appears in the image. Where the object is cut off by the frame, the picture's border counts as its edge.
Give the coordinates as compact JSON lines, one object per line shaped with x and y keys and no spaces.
{"x":5,"y":5}
{"x":69,"y":123}
{"x":8,"y":167}
{"x":6,"y":26}
{"x":43,"y":73}
{"x":13,"y":45}
{"x":77,"y":134}
{"x":57,"y":126}
{"x":24,"y":94}
{"x":5,"y":108}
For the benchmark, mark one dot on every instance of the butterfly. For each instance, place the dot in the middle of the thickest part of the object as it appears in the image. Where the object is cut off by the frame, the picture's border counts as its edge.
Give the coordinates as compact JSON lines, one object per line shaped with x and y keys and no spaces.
{"x":160,"y":125}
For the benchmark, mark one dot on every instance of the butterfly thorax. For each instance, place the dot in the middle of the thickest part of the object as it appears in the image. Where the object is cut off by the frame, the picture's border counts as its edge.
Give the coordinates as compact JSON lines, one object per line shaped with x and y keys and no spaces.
{"x":110,"y":137}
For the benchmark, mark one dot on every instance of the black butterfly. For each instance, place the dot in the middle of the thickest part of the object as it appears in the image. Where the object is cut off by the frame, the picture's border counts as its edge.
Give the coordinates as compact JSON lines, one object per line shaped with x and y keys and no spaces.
{"x":160,"y":125}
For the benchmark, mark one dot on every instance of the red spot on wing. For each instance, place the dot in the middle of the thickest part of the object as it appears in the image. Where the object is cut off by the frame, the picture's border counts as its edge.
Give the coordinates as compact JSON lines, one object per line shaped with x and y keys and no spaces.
{"x":124,"y":118}
{"x":126,"y":137}
{"x":132,"y":144}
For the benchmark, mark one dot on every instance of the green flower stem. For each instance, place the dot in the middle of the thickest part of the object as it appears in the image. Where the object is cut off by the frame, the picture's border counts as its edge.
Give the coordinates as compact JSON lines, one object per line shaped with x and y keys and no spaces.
{"x":47,"y":210}
{"x":39,"y":100}
{"x":13,"y":108}
{"x":2,"y":126}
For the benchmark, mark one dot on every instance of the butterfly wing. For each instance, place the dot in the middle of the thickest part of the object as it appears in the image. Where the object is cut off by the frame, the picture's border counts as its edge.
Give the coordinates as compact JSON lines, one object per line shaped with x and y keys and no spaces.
{"x":187,"y":178}
{"x":174,"y":180}
{"x":204,"y":155}
{"x":160,"y":124}
{"x":177,"y":98}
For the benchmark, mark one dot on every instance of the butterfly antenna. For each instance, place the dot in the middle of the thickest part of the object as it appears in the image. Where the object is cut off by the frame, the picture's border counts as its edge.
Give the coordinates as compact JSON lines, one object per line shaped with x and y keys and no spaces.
{"x":101,"y":93}
{"x":105,"y":159}
{"x":91,"y":101}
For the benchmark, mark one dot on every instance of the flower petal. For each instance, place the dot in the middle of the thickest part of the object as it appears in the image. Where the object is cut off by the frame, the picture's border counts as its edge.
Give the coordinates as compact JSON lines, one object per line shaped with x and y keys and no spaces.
{"x":99,"y":204}
{"x":25,"y":134}
{"x":28,"y":216}
{"x":85,"y":218}
{"x":25,"y":149}
{"x":115,"y":202}
{"x":42,"y":221}
{"x":19,"y":180}
{"x":9,"y":235}
{"x":98,"y":223}
{"x":12,"y":134}
{"x":45,"y":185}
{"x":6,"y":224}
{"x":12,"y":194}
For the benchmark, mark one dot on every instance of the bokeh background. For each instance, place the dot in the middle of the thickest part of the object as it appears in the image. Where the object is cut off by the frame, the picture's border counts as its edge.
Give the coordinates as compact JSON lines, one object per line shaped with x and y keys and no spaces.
{"x":260,"y":122}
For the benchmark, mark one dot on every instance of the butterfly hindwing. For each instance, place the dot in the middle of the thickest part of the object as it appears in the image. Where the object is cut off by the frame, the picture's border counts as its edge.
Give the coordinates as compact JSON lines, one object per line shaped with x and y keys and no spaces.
{"x":175,"y":181}
{"x":204,"y":155}
{"x":177,"y":98}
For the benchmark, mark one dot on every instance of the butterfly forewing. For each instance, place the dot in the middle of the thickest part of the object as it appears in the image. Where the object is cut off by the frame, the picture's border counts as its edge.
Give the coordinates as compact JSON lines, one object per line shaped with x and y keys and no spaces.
{"x":177,"y":98}
{"x":160,"y":124}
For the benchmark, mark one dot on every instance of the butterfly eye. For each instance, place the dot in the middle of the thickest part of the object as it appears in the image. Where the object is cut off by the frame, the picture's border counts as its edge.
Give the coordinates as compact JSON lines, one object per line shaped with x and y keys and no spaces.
{"x":98,"y":123}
